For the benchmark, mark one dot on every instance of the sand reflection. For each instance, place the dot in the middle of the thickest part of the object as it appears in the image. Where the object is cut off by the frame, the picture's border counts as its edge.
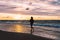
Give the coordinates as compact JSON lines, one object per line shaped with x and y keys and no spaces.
{"x":19,"y":28}
{"x":14,"y":28}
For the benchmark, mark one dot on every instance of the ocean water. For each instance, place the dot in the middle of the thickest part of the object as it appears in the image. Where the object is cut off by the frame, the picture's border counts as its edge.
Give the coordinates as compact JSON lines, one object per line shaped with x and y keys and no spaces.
{"x":44,"y":28}
{"x":47,"y":28}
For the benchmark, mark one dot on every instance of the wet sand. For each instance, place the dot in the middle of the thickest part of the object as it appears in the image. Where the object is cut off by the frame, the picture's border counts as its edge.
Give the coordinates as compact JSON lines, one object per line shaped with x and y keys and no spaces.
{"x":45,"y":32}
{"x":19,"y":36}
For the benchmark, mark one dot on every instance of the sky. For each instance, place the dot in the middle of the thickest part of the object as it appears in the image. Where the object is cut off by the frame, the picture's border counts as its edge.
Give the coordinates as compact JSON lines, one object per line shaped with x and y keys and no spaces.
{"x":39,"y":9}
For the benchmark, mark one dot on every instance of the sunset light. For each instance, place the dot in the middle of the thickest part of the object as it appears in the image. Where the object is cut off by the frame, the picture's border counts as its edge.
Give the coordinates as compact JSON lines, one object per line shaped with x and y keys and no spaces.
{"x":40,"y":10}
{"x":8,"y":16}
{"x":30,"y":19}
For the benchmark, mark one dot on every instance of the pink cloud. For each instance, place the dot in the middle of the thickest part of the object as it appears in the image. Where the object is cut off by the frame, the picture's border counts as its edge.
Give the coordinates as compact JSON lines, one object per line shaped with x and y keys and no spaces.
{"x":17,"y":6}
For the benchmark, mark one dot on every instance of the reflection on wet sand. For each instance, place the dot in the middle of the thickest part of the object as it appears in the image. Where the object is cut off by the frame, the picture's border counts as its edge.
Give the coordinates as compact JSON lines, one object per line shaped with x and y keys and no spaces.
{"x":14,"y":28}
{"x":19,"y":28}
{"x":40,"y":31}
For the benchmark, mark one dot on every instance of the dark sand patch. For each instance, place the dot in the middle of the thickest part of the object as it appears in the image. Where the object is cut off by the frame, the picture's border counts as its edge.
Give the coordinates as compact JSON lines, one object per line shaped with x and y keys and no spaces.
{"x":19,"y":36}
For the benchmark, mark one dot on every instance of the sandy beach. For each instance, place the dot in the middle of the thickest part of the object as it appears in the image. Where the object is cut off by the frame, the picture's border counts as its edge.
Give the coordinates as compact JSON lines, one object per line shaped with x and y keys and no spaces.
{"x":19,"y":36}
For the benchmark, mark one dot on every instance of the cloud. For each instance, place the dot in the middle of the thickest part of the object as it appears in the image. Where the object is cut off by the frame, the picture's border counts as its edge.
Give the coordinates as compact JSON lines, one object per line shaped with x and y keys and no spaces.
{"x":37,"y":7}
{"x":56,"y":2}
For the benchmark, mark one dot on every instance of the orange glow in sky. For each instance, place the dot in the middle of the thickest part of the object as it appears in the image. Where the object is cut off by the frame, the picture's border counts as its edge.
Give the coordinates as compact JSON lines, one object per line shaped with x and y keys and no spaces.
{"x":27,"y":17}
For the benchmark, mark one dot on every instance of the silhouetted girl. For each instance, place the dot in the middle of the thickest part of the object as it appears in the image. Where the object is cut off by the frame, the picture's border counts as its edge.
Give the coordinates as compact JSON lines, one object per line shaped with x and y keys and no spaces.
{"x":31,"y":24}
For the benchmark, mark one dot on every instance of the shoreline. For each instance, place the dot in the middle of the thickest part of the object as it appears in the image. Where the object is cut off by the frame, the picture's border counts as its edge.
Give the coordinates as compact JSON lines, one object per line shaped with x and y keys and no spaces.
{"x":47,"y":32}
